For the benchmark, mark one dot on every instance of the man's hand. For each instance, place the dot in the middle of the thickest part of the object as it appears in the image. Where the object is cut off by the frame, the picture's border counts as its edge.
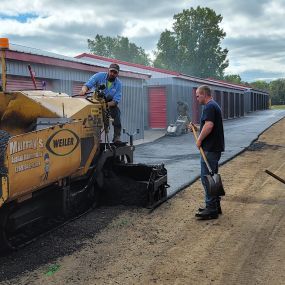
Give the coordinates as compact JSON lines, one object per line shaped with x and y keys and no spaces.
{"x":206,"y":130}
{"x":83,"y":90}
{"x":192,"y":125}
{"x":111,"y":104}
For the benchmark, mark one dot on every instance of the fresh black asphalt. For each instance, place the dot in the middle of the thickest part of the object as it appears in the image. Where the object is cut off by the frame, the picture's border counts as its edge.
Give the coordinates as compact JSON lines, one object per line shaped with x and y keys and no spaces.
{"x":181,"y":157}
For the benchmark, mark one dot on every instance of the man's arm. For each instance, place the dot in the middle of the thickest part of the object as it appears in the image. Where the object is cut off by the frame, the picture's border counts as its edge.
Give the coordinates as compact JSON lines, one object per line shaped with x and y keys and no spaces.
{"x":207,"y":128}
{"x":83,"y":91}
{"x":93,"y":80}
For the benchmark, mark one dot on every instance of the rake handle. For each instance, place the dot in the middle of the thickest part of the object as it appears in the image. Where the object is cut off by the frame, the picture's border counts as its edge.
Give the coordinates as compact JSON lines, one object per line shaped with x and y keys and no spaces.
{"x":275,"y":176}
{"x":201,"y":149}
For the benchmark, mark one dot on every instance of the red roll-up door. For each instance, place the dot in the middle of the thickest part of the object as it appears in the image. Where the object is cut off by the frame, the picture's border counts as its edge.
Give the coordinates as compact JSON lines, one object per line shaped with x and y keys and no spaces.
{"x":76,"y":88}
{"x":157,"y":107}
{"x":25,"y":83}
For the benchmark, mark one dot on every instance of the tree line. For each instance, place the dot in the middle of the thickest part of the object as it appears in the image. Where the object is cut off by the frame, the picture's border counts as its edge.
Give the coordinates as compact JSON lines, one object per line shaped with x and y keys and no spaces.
{"x":192,"y":47}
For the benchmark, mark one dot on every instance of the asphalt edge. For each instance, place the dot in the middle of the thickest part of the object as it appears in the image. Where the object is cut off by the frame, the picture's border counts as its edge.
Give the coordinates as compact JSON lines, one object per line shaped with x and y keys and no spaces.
{"x":184,"y":186}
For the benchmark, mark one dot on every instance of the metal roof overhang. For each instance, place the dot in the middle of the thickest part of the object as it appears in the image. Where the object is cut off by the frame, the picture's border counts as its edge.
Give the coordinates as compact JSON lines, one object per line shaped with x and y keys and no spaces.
{"x":64,"y":62}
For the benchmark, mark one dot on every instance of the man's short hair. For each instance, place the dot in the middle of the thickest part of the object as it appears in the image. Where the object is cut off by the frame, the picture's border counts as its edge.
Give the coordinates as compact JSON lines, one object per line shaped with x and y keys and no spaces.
{"x":115,"y":67}
{"x":205,"y":89}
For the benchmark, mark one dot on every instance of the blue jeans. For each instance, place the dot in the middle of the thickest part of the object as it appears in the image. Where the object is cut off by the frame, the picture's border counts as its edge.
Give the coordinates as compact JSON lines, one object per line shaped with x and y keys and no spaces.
{"x":213,"y":159}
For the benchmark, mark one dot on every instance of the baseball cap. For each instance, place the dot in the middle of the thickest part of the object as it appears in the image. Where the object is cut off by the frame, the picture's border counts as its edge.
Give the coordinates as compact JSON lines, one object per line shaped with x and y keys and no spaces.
{"x":115,"y":67}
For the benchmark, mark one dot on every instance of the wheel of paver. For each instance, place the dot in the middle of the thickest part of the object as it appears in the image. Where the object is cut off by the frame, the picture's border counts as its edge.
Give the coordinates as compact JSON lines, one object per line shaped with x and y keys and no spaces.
{"x":4,"y":138}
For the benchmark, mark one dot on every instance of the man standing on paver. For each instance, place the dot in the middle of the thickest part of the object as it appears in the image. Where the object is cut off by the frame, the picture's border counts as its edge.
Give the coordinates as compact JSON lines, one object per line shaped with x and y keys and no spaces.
{"x":211,"y":139}
{"x":113,"y":90}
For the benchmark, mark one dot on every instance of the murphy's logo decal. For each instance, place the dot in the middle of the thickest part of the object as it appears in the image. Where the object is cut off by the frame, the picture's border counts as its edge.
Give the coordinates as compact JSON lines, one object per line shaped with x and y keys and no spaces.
{"x":62,"y":142}
{"x":18,"y":146}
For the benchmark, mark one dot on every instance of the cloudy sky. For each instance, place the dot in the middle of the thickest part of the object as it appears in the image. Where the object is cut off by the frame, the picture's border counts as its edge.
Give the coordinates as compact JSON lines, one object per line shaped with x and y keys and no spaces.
{"x":255,"y":28}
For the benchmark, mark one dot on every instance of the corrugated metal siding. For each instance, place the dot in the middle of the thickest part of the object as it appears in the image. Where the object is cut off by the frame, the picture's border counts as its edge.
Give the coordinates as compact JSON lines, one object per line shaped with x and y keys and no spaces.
{"x":177,"y":92}
{"x":263,"y":102}
{"x":157,"y":107}
{"x":145,"y":106}
{"x":242,"y":108}
{"x":261,"y":99}
{"x":226,"y":105}
{"x":247,"y":99}
{"x":62,"y":86}
{"x":196,"y":108}
{"x":25,"y":83}
{"x":47,"y":71}
{"x":237,"y":104}
{"x":232,"y":104}
{"x":132,"y":107}
{"x":217,"y":97}
{"x":250,"y":101}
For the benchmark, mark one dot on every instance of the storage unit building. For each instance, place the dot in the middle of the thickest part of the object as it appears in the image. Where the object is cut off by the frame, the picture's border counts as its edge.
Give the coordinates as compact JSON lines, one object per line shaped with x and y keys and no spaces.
{"x":164,"y":88}
{"x":150,"y":95}
{"x":67,"y":75}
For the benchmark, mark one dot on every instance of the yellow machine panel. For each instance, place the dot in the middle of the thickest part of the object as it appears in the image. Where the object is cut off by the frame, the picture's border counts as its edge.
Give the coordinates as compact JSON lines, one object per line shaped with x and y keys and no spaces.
{"x":20,"y":110}
{"x":45,"y":156}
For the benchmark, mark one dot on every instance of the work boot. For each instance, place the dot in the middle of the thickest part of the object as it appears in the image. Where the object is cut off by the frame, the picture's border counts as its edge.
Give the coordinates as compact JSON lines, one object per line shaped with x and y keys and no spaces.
{"x":117,"y":141}
{"x":219,"y":209}
{"x":207,"y":214}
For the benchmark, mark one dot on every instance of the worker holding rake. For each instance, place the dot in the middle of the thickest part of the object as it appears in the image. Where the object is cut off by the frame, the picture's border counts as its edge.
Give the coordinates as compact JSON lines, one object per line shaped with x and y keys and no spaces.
{"x":211,"y":144}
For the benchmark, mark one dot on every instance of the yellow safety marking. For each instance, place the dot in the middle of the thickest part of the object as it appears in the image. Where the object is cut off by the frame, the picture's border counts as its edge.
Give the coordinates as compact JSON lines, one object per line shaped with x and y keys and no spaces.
{"x":95,"y":111}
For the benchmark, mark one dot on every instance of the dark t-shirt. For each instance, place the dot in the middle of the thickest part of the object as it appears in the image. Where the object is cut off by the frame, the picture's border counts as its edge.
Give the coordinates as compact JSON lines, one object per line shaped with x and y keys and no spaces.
{"x":215,"y":140}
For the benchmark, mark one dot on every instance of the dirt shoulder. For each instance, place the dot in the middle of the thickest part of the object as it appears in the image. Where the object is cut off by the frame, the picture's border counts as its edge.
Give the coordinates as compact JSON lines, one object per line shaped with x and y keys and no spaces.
{"x":169,"y":246}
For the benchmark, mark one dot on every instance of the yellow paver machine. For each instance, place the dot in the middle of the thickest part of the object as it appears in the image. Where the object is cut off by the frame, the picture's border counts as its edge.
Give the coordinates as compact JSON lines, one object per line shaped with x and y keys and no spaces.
{"x":53,"y":162}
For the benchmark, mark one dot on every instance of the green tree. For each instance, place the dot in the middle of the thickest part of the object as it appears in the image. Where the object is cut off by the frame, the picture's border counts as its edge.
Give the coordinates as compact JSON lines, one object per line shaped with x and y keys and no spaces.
{"x":260,"y":84}
{"x":277,"y":91}
{"x":233,"y":78}
{"x":194,"y":45}
{"x":167,"y":54}
{"x":119,"y":48}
